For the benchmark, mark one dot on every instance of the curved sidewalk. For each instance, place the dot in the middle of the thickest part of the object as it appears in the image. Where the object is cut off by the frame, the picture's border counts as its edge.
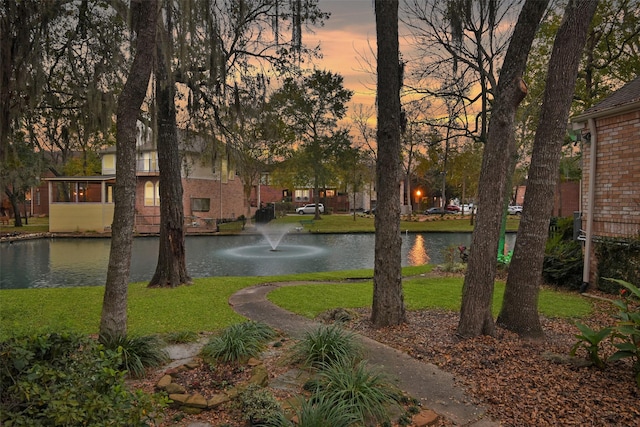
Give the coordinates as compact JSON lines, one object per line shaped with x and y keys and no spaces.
{"x":434,"y":388}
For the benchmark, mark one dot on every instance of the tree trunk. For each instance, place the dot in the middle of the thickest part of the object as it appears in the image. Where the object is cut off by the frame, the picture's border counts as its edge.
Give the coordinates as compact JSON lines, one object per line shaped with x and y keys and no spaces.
{"x":13,"y":199}
{"x":113,"y":321}
{"x":171,"y":270}
{"x":519,"y":311}
{"x":388,"y":301}
{"x":477,"y":293}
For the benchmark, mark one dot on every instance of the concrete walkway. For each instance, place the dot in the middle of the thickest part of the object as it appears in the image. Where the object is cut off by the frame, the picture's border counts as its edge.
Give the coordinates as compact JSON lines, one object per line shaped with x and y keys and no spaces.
{"x":434,"y":388}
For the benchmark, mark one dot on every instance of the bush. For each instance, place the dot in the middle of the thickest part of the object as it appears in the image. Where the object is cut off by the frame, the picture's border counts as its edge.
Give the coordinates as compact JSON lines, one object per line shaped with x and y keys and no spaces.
{"x":238,"y":342}
{"x":617,"y":258}
{"x":138,"y":353}
{"x":259,"y":406}
{"x":67,"y":380}
{"x":625,"y":334}
{"x":325,"y":345}
{"x":563,"y":259}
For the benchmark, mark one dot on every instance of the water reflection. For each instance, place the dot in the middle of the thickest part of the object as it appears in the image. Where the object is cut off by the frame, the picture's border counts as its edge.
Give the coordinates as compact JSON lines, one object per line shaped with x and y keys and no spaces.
{"x":62,"y":262}
{"x":418,"y":251}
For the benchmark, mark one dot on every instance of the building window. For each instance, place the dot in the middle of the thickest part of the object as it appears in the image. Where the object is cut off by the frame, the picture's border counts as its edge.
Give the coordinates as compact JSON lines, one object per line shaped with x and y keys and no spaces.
{"x":302,"y":195}
{"x":200,"y":204}
{"x":151,"y":194}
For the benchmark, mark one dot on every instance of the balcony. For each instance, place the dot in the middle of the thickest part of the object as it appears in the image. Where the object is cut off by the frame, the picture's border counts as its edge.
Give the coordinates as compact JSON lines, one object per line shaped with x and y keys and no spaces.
{"x":147,"y":167}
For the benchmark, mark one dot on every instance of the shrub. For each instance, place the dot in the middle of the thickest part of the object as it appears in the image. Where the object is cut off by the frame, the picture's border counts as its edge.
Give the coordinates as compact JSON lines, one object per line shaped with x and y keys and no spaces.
{"x":138,"y":353}
{"x":618,"y":258}
{"x":259,"y":406}
{"x":238,"y":342}
{"x":625,"y":334}
{"x":66,"y":379}
{"x":358,"y":390}
{"x":563,"y":259}
{"x":326,"y":344}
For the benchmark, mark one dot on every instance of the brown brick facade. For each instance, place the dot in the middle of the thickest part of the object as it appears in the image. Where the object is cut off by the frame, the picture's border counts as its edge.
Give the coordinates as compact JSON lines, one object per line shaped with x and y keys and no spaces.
{"x":617,"y":182}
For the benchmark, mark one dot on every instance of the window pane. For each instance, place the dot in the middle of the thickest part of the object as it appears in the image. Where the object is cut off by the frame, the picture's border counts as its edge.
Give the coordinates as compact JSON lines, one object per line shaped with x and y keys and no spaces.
{"x":200,"y":205}
{"x":149,"y":192}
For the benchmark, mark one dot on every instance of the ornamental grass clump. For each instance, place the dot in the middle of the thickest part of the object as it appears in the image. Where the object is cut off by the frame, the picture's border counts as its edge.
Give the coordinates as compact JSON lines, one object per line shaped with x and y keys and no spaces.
{"x":138,"y":353}
{"x":357,"y":390}
{"x":325,"y":345}
{"x":238,"y":342}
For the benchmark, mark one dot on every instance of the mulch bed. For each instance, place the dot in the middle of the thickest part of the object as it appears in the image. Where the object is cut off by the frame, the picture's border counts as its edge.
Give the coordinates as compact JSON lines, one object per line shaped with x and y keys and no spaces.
{"x":522,"y":383}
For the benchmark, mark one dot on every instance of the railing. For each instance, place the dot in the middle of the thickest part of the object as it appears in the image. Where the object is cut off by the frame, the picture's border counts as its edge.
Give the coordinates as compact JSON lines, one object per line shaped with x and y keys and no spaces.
{"x":193,"y":224}
{"x":147,"y":165}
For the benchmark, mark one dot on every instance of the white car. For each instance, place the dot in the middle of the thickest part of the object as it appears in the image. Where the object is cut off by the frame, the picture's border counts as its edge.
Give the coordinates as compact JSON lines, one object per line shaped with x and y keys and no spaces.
{"x":514,"y":210}
{"x":310,"y":209}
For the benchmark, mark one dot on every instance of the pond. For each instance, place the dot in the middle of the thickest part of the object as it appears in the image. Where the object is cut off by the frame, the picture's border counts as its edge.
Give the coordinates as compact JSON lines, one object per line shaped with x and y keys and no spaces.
{"x":67,"y":262}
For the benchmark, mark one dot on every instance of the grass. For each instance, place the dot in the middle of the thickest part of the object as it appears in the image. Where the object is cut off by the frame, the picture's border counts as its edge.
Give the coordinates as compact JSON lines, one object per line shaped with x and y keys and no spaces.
{"x":419,"y":293}
{"x":338,"y":223}
{"x":203,"y":307}
{"x":365,"y":223}
{"x":36,"y":225}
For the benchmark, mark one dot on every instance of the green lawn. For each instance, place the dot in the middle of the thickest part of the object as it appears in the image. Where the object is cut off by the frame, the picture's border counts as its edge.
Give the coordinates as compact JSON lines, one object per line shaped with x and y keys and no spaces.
{"x":419,"y":293}
{"x":36,"y":225}
{"x":203,"y":306}
{"x":342,"y":223}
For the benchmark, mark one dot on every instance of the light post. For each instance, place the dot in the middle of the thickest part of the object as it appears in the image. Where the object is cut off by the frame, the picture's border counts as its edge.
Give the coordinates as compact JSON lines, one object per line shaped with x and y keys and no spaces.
{"x":418,"y":194}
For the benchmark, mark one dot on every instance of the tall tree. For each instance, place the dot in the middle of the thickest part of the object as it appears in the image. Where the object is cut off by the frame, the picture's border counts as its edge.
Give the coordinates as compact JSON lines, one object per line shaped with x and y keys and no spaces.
{"x":216,"y":44}
{"x":313,"y":107}
{"x":460,"y":45}
{"x":113,"y":321}
{"x":171,"y":270}
{"x":519,"y":311}
{"x":388,"y":300}
{"x":477,"y":294}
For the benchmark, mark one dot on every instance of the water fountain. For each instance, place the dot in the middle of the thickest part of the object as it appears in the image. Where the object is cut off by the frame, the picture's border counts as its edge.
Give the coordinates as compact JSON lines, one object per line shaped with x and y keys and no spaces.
{"x":274,"y":234}
{"x":274,"y":249}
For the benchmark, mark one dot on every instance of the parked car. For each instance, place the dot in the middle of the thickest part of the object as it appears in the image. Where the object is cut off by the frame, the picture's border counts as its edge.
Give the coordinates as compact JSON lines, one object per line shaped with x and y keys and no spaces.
{"x":371,"y":211}
{"x":310,"y":209}
{"x":453,"y":208}
{"x":435,"y":211}
{"x":514,"y":210}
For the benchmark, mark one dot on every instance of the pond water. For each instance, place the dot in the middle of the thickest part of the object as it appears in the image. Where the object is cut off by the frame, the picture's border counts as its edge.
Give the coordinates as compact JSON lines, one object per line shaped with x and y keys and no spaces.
{"x":67,"y":262}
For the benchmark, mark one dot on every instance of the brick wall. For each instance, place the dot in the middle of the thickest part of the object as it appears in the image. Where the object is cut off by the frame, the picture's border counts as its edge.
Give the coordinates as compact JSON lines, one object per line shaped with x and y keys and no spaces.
{"x":617,"y":184}
{"x":225,"y":201}
{"x":616,"y":210}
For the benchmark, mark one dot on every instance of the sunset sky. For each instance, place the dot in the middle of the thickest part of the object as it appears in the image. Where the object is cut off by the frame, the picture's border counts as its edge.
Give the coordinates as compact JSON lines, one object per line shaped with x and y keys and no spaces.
{"x":349,"y":34}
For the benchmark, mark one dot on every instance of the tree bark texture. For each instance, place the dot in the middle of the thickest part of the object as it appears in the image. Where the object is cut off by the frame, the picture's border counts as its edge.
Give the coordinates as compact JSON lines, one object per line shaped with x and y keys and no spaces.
{"x":171,"y":270}
{"x":519,"y":312}
{"x":388,"y":301}
{"x":477,"y":293}
{"x":113,"y":321}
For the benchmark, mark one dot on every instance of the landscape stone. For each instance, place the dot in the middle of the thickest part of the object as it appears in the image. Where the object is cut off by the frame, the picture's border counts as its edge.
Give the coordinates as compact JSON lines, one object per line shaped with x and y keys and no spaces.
{"x":425,"y":418}
{"x":259,"y":376}
{"x":196,"y":401}
{"x":191,"y":410}
{"x":174,"y":388}
{"x":164,"y":382}
{"x":217,"y":400}
{"x":179,"y":397}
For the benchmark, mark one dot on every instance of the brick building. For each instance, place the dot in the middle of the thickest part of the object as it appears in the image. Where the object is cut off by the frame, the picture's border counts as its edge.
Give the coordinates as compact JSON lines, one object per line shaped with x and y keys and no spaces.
{"x":610,"y":204}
